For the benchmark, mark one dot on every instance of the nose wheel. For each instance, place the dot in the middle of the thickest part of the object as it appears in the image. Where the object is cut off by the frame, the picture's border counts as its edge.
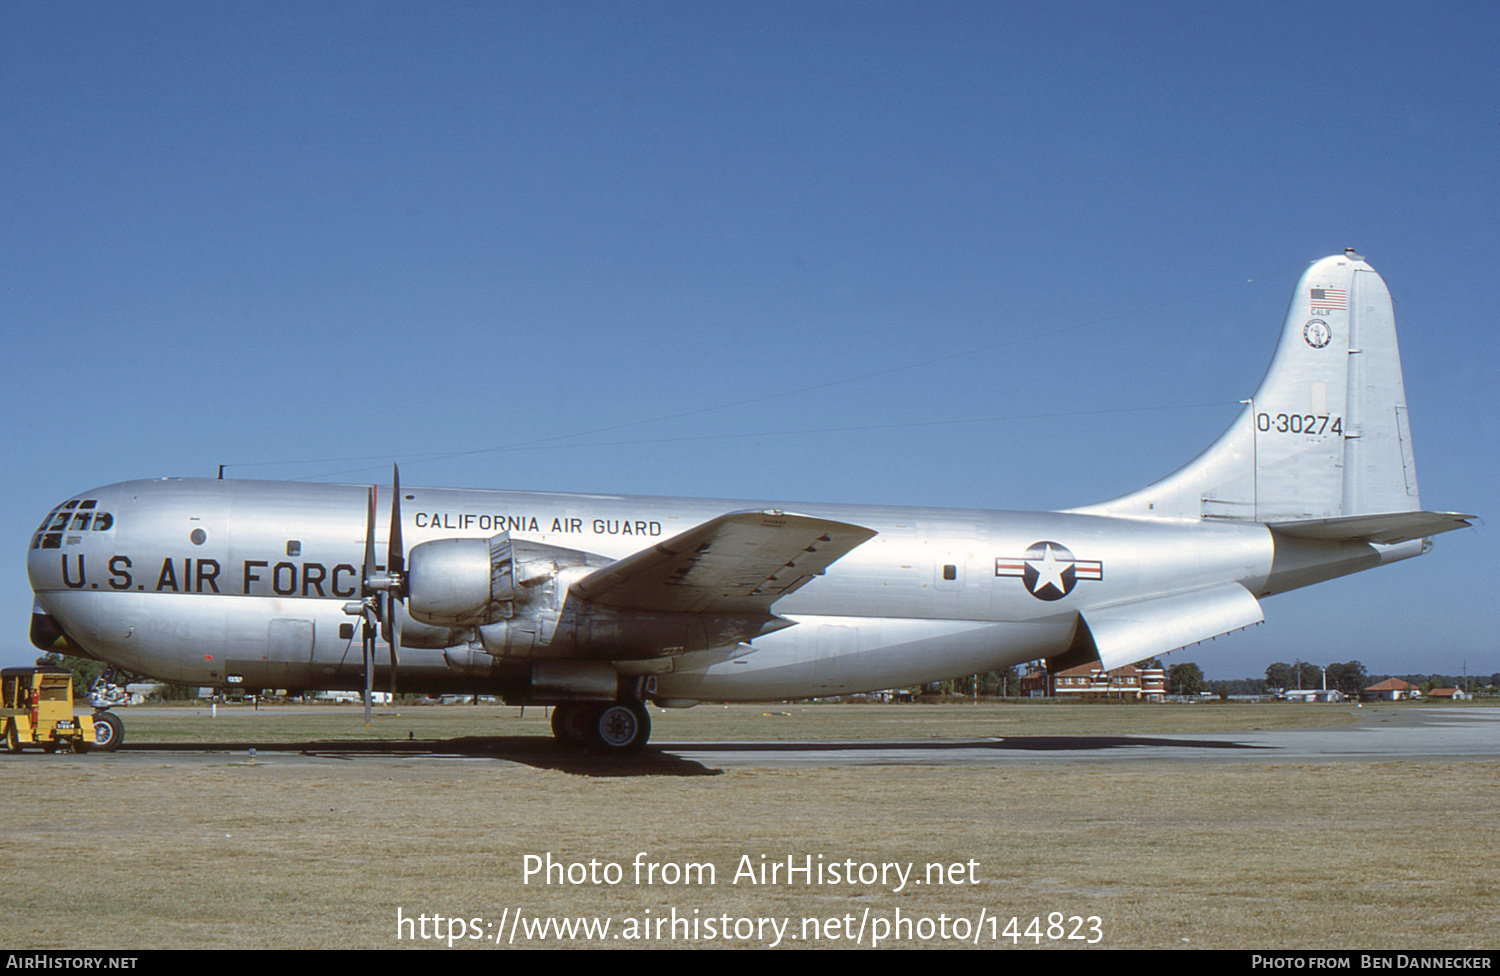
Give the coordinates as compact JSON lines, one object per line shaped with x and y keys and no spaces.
{"x":619,"y":728}
{"x":109,"y":732}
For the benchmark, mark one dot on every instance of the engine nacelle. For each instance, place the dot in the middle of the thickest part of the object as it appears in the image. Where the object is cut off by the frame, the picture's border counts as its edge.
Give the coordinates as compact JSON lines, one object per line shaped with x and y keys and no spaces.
{"x":581,"y":630}
{"x":510,"y":599}
{"x":474,"y":582}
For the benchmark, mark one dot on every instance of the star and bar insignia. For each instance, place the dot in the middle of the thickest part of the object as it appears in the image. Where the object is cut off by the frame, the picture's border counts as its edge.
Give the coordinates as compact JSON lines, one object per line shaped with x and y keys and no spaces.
{"x":1048,"y":570}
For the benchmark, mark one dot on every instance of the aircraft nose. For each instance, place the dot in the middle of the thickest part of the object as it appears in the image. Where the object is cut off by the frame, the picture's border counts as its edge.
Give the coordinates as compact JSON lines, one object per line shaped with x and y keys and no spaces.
{"x":68,"y":558}
{"x":66,"y":523}
{"x":67,"y":545}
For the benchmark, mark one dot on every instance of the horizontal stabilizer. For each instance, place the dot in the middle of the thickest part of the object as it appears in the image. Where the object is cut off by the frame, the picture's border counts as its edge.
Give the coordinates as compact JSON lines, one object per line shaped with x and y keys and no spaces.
{"x":740,"y":562}
{"x":1130,"y":632}
{"x":1385,"y":529}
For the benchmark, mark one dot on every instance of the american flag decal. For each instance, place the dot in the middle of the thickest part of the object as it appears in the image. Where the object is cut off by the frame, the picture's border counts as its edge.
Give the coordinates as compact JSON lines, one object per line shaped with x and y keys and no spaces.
{"x":1329,"y":299}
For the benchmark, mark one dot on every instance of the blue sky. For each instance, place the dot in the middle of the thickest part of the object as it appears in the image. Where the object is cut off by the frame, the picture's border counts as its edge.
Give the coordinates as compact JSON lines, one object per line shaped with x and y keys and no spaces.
{"x":1000,"y":255}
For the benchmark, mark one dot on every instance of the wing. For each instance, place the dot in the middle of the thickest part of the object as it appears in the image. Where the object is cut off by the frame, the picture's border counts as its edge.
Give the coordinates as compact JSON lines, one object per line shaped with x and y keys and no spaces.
{"x":738,"y":563}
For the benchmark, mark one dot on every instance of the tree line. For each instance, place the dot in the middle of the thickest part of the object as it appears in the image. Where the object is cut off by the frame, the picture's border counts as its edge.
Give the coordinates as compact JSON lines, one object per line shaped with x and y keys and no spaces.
{"x":1184,"y":678}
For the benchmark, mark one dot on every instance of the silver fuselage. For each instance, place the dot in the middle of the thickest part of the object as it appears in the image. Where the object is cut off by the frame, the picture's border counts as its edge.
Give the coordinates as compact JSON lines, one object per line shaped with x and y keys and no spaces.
{"x":205,"y":582}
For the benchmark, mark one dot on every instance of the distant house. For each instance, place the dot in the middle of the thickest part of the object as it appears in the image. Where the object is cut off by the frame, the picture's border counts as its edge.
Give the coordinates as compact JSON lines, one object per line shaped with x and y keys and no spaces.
{"x":347,"y":697}
{"x":1090,"y":682}
{"x":1391,"y":689}
{"x":1448,"y":694}
{"x":1312,"y":695}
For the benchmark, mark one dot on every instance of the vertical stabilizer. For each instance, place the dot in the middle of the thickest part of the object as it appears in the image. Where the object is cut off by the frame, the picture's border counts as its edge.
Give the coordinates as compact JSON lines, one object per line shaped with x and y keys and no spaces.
{"x":1326,"y":434}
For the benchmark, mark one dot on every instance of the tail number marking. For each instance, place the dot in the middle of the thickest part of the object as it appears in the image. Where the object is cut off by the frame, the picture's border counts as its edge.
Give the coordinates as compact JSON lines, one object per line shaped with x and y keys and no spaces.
{"x":1299,"y":423}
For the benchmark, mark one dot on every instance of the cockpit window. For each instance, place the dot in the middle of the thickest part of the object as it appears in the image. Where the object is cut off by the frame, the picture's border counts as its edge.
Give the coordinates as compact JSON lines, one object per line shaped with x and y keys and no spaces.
{"x":83,"y":518}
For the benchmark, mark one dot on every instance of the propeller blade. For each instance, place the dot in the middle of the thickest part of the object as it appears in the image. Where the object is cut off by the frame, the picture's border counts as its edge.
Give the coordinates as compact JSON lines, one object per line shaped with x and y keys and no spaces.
{"x":395,"y":567}
{"x":369,"y":570}
{"x":393,"y":634}
{"x":368,"y":645}
{"x":395,"y":561}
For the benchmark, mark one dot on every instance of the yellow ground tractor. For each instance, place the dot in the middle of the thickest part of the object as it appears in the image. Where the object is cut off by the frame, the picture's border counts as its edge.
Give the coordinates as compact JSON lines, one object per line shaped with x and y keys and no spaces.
{"x":36,"y":707}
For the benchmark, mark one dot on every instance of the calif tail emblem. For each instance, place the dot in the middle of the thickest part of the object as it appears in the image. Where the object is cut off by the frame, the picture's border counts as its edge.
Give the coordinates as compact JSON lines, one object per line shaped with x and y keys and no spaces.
{"x":1048,"y":570}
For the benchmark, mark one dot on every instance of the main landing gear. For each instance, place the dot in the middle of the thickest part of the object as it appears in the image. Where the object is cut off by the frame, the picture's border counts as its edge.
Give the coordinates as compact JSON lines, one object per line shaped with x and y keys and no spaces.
{"x":617,"y":728}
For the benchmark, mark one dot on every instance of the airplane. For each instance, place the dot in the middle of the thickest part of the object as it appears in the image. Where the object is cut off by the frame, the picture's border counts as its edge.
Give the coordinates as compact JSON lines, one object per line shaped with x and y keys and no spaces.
{"x":596,"y":604}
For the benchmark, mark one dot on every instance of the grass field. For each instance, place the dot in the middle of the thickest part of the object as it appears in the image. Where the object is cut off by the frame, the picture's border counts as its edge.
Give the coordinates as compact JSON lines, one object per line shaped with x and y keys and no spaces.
{"x":292,"y":851}
{"x":780,"y":722}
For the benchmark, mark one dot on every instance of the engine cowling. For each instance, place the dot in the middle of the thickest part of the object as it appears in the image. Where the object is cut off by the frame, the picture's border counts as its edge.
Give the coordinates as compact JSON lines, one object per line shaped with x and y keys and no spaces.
{"x":475,"y":582}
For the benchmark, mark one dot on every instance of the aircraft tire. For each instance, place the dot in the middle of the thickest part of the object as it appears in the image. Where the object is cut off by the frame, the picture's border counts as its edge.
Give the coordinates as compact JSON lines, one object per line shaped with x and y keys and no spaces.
{"x":622,"y":728}
{"x":573,"y":723}
{"x":109,"y":732}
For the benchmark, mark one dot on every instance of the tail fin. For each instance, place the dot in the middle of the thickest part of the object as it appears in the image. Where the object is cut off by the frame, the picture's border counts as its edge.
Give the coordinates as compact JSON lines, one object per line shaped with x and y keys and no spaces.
{"x":1326,"y":434}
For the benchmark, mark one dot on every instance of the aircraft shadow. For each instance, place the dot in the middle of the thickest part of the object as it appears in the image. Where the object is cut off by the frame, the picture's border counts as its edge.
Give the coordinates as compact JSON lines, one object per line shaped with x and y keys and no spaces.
{"x":1038,"y":743}
{"x":673,"y":759}
{"x":537,"y":751}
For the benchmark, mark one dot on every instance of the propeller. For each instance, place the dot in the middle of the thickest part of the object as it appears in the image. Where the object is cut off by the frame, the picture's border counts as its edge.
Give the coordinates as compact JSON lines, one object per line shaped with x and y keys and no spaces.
{"x":395,"y":574}
{"x":379,"y":592}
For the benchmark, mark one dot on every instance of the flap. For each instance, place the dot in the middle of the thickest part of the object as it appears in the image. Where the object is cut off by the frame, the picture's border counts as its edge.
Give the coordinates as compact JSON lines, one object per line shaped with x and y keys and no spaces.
{"x":1385,"y":529}
{"x":1130,"y":632}
{"x":740,"y":562}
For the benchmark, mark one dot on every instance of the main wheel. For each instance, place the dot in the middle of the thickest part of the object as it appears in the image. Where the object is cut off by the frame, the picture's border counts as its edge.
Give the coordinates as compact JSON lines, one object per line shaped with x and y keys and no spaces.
{"x":573,"y":723}
{"x":622,"y":728}
{"x":109,"y":732}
